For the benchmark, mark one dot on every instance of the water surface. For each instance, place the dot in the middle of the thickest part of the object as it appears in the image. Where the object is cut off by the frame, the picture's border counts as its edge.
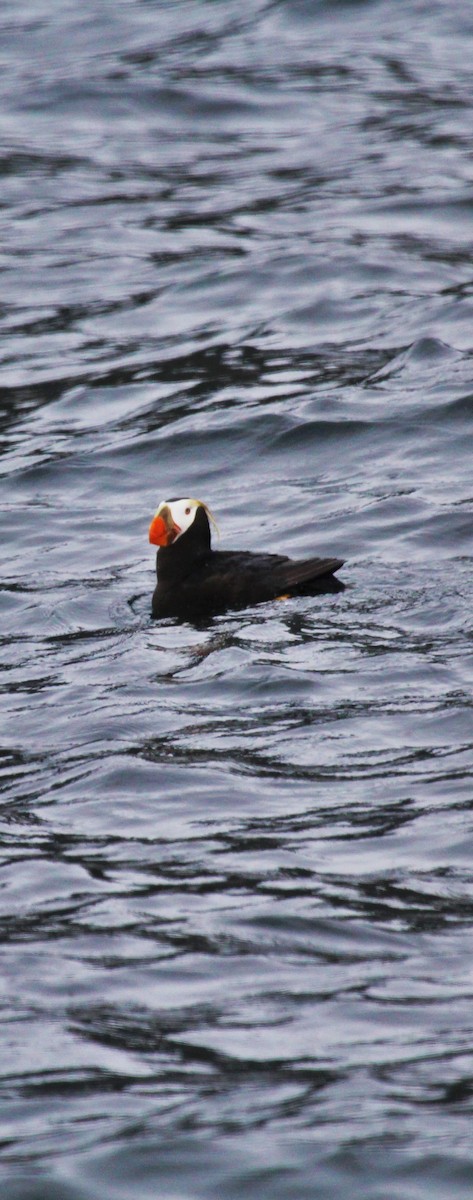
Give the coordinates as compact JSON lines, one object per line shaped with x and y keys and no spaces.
{"x":236,"y":898}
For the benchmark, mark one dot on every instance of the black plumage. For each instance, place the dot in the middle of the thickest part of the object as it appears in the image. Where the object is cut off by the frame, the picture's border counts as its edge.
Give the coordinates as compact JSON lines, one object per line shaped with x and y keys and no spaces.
{"x":194,"y":581}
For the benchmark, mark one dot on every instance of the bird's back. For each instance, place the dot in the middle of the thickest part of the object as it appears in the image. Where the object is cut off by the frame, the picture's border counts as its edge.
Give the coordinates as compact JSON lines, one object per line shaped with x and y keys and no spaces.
{"x":236,"y":579}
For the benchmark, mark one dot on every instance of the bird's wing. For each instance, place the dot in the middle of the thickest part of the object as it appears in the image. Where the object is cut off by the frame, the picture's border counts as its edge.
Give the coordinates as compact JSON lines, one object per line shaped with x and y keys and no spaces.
{"x":292,"y":574}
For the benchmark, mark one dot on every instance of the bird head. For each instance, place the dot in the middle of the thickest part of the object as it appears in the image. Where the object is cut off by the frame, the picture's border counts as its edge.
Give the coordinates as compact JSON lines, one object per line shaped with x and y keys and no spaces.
{"x":173,"y":518}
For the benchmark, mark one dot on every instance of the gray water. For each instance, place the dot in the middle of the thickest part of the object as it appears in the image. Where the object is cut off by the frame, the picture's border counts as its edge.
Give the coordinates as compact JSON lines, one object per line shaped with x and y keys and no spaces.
{"x":236,"y":888}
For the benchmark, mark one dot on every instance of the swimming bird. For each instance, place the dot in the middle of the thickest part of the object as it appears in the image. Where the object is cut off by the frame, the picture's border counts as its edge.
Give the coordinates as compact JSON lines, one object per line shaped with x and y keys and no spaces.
{"x":195,"y":581}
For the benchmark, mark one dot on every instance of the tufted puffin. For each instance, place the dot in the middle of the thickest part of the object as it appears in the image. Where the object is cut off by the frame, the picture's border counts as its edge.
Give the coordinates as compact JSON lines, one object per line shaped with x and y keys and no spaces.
{"x":195,"y":581}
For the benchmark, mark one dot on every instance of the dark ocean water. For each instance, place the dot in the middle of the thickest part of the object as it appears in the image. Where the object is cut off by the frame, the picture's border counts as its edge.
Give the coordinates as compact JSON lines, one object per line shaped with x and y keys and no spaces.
{"x":236,"y":860}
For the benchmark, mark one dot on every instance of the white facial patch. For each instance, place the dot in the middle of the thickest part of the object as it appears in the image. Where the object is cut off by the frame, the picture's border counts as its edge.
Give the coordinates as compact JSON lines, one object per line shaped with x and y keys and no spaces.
{"x":182,"y":512}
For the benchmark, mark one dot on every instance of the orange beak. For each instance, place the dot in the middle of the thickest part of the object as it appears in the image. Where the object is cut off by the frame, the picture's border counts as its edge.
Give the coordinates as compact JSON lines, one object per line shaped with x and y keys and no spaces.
{"x":163,"y":530}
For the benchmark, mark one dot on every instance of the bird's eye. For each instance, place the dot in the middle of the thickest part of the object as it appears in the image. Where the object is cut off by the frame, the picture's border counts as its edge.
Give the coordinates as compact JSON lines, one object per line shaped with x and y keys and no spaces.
{"x":187,"y":512}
